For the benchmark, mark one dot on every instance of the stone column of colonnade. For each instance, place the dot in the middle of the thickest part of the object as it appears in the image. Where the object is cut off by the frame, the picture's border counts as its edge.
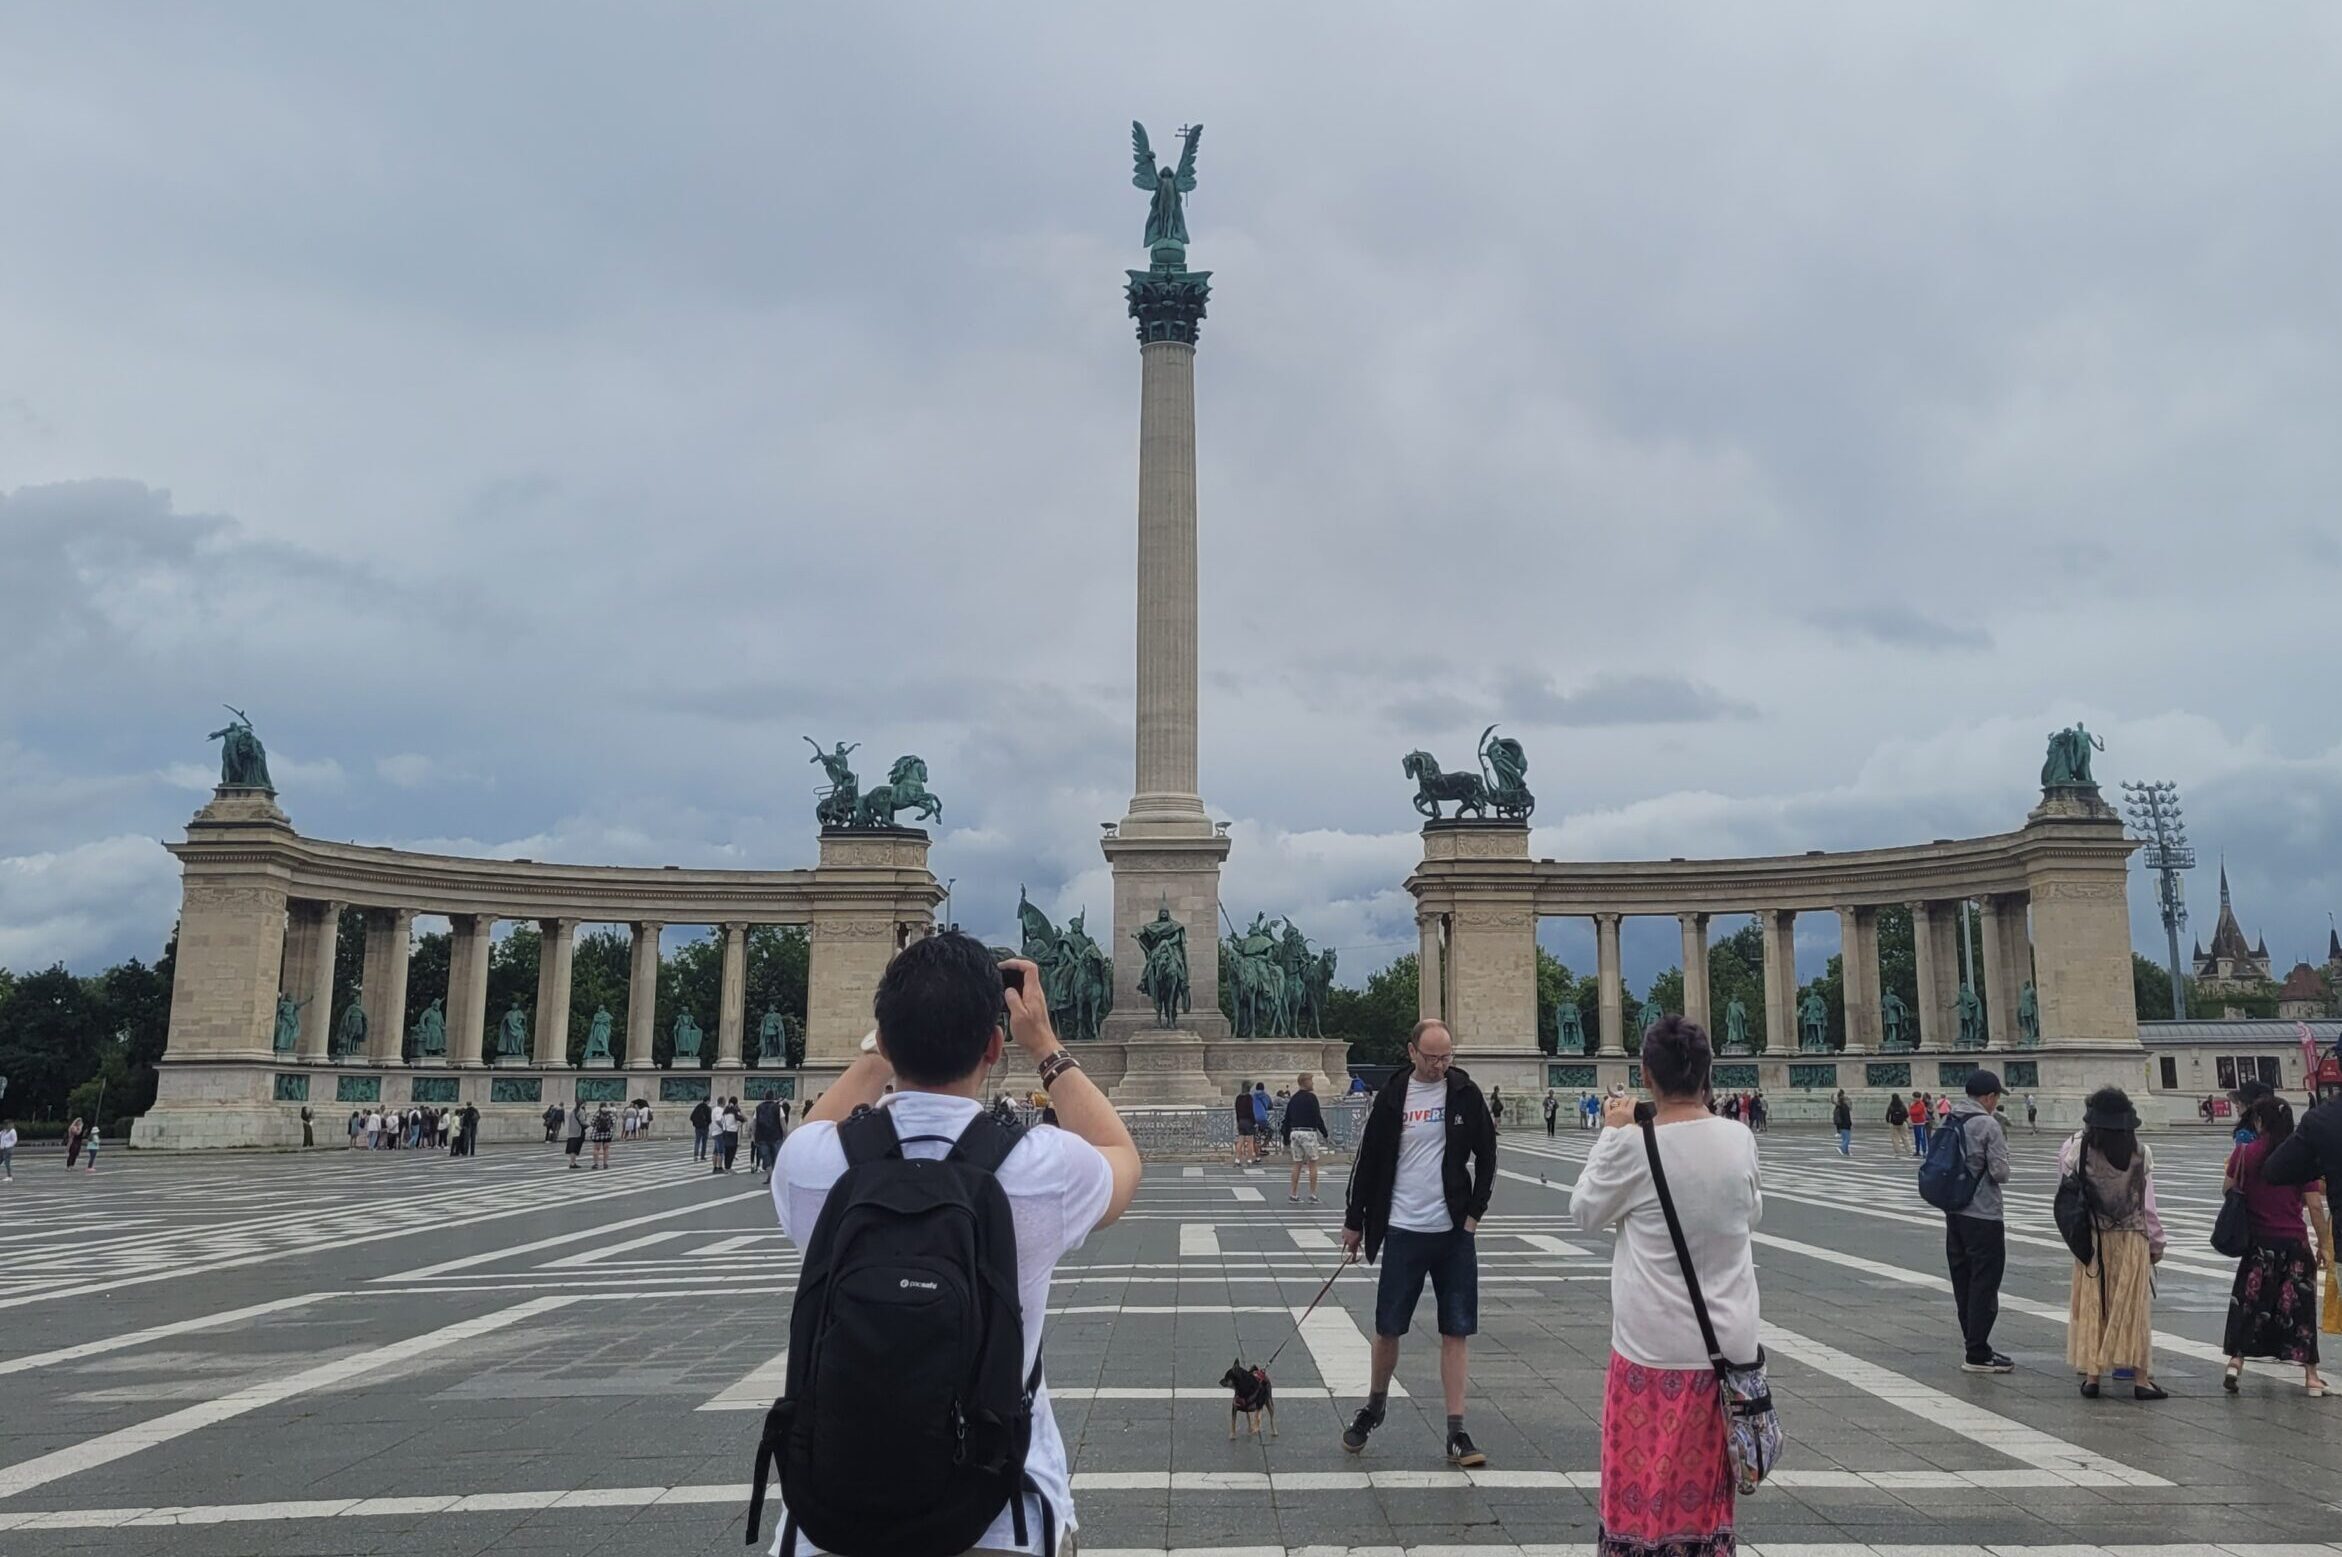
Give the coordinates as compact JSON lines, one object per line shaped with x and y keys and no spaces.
{"x":2007,"y":957}
{"x":731,"y":1015}
{"x":556,"y":962}
{"x":1930,"y":936}
{"x":1780,"y":931}
{"x":1610,"y":981}
{"x":642,"y":993}
{"x":384,"y":982}
{"x":467,"y":986}
{"x":312,"y":933}
{"x":1858,"y":961}
{"x":1430,"y":968}
{"x":1695,"y":968}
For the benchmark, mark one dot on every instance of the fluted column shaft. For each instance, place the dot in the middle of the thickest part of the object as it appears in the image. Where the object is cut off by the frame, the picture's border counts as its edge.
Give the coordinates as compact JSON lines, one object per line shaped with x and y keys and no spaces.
{"x":731,"y":1008}
{"x":1858,"y":962}
{"x":387,"y":937}
{"x":312,"y":930}
{"x":1430,"y":971}
{"x":1611,"y":1000}
{"x":1780,"y":930}
{"x":556,"y":958}
{"x":467,"y":985}
{"x":1166,"y":766}
{"x":1695,"y":967}
{"x":642,"y":994}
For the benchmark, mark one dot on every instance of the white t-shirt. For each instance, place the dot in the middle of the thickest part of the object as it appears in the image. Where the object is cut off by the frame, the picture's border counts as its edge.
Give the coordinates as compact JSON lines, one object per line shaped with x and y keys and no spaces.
{"x":1419,"y":1194}
{"x":1712,"y":1175}
{"x":1058,"y":1185}
{"x":7,"y":1139}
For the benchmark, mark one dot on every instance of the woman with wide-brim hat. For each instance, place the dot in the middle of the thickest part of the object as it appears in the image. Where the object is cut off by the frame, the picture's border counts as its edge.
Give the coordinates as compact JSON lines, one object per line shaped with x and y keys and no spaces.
{"x":2110,"y":1322}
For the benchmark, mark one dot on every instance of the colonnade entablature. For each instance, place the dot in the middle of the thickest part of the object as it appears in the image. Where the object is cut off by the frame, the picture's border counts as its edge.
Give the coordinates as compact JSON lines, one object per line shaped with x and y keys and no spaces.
{"x":260,"y":921}
{"x":2052,"y":964}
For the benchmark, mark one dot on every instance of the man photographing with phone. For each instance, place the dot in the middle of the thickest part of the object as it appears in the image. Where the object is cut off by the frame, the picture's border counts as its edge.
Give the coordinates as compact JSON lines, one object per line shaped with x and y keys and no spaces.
{"x":883,"y":1444}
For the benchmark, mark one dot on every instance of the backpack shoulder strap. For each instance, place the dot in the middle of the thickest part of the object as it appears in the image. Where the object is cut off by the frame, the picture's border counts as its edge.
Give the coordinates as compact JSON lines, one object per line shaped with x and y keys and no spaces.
{"x":1691,"y":1277}
{"x":985,"y":1143}
{"x":867,"y":1135}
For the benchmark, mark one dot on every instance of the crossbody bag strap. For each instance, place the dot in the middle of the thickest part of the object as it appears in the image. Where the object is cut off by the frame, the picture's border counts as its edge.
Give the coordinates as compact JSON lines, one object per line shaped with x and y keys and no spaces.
{"x":1691,"y":1277}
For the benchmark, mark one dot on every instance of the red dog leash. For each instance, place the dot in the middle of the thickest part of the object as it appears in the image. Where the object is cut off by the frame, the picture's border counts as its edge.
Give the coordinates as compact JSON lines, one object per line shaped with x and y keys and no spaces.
{"x":1347,"y":1261}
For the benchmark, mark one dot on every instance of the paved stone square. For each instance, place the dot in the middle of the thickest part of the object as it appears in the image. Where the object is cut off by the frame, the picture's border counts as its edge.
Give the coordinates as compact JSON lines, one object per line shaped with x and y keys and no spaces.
{"x":343,"y":1352}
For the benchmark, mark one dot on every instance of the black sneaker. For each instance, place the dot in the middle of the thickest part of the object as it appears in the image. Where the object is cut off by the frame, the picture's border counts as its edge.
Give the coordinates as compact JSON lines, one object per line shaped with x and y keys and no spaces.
{"x":1462,"y":1451}
{"x":1992,"y":1363}
{"x":1361,"y":1427}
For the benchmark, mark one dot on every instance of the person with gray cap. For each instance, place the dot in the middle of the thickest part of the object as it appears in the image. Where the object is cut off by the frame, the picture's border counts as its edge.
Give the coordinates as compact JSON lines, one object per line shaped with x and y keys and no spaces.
{"x":1975,"y":1237}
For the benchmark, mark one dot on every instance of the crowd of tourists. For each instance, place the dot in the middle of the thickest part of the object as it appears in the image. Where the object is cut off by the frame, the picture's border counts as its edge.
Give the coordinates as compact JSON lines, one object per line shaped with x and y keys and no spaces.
{"x":455,"y":1130}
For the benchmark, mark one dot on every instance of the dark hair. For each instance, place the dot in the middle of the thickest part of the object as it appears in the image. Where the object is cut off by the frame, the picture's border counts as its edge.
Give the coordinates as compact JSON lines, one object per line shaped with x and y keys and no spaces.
{"x":2273,"y":1119}
{"x":937,"y":1006}
{"x":2117,"y":1144}
{"x":1677,"y":1057}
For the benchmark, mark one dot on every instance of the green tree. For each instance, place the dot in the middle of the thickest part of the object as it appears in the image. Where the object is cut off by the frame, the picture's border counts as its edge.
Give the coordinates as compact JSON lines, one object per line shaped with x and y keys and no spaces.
{"x":427,"y":970}
{"x":349,"y":962}
{"x":2151,"y":989}
{"x":1736,"y":966}
{"x":1556,"y":987}
{"x":1377,"y":1019}
{"x":132,"y":1006}
{"x":600,"y":970}
{"x":51,"y":1040}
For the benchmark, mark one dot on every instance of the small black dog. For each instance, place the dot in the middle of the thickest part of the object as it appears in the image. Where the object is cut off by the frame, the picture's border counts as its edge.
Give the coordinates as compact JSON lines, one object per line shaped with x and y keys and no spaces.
{"x":1250,"y":1396}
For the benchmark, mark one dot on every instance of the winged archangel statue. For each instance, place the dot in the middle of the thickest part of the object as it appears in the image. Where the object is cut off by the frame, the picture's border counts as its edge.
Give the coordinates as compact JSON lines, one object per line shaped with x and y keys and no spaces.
{"x":1167,"y":217}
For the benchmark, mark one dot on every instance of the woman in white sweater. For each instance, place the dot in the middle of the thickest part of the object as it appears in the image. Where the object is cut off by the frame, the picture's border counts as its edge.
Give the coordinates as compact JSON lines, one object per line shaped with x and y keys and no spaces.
{"x":1667,"y":1483}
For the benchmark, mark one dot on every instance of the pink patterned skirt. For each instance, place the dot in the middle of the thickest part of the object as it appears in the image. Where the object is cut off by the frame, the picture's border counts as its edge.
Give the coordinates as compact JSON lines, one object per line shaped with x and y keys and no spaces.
{"x":1666,"y":1482}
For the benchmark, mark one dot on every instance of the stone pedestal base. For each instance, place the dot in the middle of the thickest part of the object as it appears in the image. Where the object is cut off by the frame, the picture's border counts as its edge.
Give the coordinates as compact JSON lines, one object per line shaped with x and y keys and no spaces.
{"x":1162,"y":1069}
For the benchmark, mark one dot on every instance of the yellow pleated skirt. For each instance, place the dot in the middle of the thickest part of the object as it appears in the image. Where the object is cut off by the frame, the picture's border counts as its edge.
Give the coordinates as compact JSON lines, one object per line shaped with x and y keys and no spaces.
{"x":2121,"y":1333}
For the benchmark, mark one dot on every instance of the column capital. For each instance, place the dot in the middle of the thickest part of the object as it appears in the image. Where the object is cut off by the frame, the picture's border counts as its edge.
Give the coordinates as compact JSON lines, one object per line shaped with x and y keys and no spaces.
{"x":1168,"y":301}
{"x":1610,"y":920}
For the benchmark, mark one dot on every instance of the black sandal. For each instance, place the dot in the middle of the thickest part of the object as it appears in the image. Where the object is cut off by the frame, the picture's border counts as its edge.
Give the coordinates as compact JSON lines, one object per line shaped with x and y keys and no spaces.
{"x":2089,"y":1389}
{"x":2150,"y":1390}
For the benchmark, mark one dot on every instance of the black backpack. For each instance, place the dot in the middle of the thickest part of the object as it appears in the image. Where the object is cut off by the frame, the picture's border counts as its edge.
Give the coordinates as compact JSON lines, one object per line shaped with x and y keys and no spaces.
{"x":908,"y":1412}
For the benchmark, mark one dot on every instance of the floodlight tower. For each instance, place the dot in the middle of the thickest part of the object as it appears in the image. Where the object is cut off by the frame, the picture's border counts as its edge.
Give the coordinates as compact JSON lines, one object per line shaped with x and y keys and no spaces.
{"x":2154,"y":810}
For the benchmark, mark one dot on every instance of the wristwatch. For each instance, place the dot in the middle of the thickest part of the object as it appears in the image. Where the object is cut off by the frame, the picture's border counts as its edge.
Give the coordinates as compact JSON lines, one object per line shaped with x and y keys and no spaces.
{"x":1057,"y":1064}
{"x":870,"y":1041}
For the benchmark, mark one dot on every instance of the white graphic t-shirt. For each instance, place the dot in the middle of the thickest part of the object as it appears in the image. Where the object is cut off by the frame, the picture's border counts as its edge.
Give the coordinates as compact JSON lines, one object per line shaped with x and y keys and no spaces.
{"x":1419,"y":1197}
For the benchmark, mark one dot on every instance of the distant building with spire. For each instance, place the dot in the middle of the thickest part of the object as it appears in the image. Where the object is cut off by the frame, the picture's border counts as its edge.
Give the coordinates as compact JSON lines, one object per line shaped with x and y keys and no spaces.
{"x":2231,"y":967}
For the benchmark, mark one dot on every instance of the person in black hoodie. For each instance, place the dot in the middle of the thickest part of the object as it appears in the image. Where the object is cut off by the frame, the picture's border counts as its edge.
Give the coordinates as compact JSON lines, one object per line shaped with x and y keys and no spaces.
{"x":2313,"y":1151}
{"x":1426,"y":1164}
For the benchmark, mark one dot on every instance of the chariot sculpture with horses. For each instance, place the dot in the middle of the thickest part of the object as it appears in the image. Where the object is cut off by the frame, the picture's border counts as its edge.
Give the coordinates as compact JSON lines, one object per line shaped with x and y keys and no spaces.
{"x":905,"y":789}
{"x":1500,"y":786}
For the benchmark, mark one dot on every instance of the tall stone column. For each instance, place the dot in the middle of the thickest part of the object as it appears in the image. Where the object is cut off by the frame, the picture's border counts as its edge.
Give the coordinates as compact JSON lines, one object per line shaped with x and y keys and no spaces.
{"x":1929,"y":1013}
{"x":1611,"y":986}
{"x":2016,"y":958}
{"x":1780,"y":932}
{"x":2001,"y":926}
{"x":1431,"y":968}
{"x":388,"y":937}
{"x":312,"y":933}
{"x":1695,"y":967}
{"x":467,"y":986}
{"x":642,"y":994}
{"x":731,"y":1014}
{"x":556,"y":961}
{"x":1165,"y":852}
{"x":1858,"y":949}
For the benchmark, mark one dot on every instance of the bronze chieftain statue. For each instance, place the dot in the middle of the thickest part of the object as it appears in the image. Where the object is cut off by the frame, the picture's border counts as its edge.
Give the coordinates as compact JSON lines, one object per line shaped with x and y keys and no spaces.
{"x":512,"y":1034}
{"x":687,"y":1036}
{"x":1736,"y":1040}
{"x":598,"y":1037}
{"x":243,"y":761}
{"x":772,"y":1039}
{"x":1164,"y":978}
{"x":1077,"y":977}
{"x":1895,"y":1021}
{"x":430,"y":1035}
{"x":1569,"y":1035}
{"x":349,"y":1037}
{"x":288,"y":1023}
{"x":1813,"y":1024}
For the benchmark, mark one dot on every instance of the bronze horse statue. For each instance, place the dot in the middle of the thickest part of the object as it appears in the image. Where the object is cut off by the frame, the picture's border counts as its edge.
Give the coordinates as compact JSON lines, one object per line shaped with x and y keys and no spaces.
{"x":1467,"y":791}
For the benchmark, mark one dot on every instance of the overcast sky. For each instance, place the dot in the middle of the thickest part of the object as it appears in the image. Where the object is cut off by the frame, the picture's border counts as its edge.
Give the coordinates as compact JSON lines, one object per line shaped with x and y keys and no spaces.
{"x":1779,"y":419}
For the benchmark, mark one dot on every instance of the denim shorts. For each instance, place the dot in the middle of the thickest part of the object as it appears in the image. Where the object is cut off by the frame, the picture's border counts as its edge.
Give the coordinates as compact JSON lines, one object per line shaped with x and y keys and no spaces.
{"x":1453,"y":1264}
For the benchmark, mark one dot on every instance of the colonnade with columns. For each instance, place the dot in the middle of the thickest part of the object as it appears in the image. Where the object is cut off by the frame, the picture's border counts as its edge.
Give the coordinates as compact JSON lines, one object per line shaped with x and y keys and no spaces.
{"x":260,"y":914}
{"x":2050,"y":907}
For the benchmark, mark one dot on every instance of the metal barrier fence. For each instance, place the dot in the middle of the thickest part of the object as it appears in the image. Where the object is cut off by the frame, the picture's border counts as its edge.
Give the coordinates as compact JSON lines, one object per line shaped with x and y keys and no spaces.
{"x":1211,"y":1132}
